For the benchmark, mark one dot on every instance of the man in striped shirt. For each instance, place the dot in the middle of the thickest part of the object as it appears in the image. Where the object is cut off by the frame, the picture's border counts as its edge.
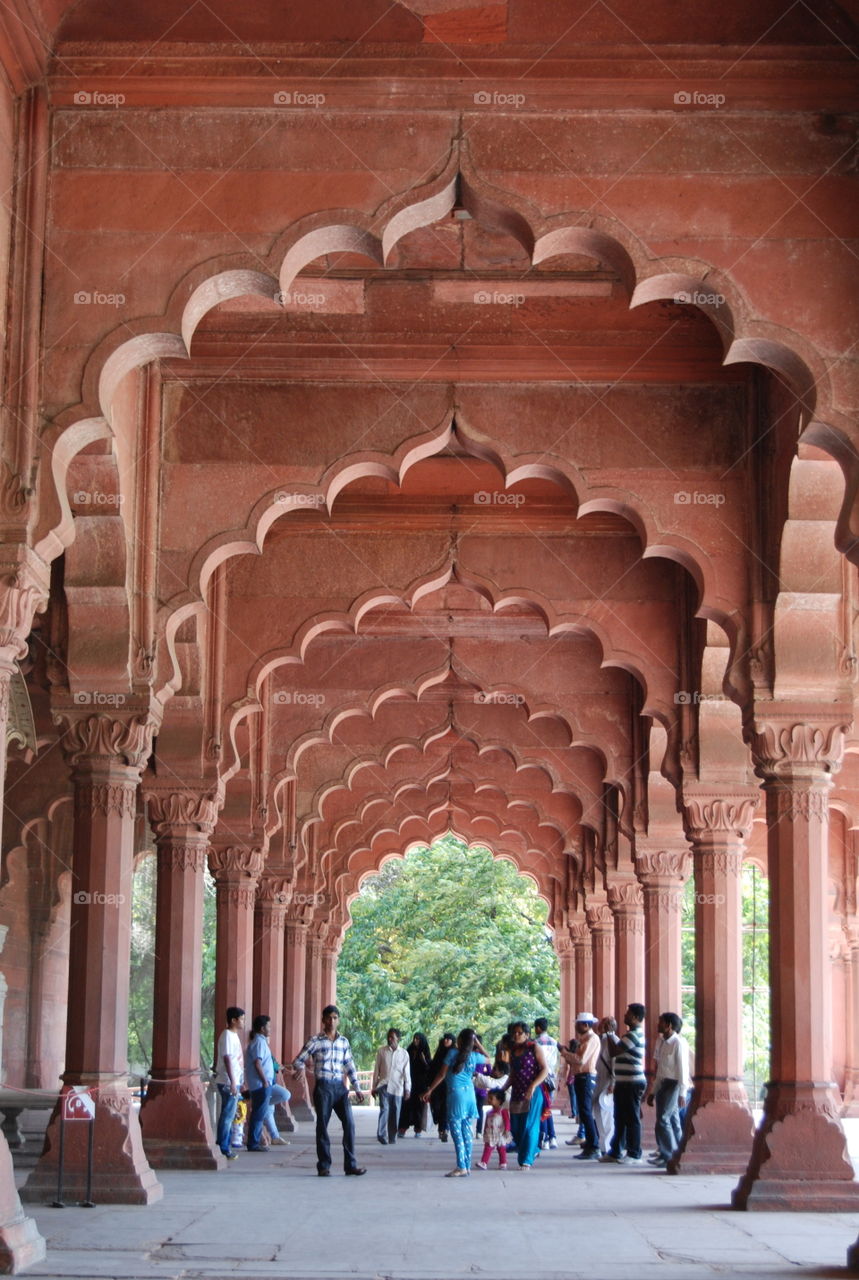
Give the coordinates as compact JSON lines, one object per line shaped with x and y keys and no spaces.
{"x":630,"y":1083}
{"x":332,"y":1060}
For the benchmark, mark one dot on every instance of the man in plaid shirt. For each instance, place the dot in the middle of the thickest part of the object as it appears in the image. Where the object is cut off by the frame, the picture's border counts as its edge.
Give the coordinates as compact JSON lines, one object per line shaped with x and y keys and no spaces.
{"x":332,"y":1060}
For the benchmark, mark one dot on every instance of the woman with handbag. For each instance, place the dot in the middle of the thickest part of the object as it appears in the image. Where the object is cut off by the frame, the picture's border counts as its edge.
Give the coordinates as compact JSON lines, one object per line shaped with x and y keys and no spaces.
{"x":528,"y":1070}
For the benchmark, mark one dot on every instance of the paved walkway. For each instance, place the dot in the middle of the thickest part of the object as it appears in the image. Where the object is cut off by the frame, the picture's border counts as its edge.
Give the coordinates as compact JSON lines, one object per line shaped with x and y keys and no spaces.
{"x":269,"y":1215}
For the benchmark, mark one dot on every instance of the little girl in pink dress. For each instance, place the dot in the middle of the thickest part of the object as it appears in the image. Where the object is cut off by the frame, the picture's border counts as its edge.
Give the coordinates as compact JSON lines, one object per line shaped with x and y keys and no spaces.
{"x":496,"y":1130}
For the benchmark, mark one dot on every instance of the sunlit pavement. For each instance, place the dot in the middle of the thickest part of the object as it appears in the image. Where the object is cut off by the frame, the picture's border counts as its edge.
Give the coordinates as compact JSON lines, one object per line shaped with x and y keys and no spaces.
{"x":269,"y":1215}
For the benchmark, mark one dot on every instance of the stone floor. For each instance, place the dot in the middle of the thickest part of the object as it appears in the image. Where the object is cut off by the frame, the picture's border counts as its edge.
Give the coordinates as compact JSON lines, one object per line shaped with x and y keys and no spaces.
{"x":269,"y":1215}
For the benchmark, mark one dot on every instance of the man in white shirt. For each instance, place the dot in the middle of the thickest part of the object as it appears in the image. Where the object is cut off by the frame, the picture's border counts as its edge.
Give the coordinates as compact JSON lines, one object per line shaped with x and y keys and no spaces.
{"x":392,"y":1082}
{"x":550,"y":1053}
{"x":671,"y":1083}
{"x":229,"y":1076}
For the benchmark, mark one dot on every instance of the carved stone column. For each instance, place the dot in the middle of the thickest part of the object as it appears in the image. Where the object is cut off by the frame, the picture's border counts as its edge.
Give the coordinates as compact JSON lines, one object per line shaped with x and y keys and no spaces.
{"x":22,"y":595}
{"x":581,"y":936}
{"x":799,"y":1158}
{"x":236,"y":869}
{"x":313,"y":1002}
{"x":719,"y":1127}
{"x":626,"y":901}
{"x":294,"y":978}
{"x":269,"y":919}
{"x":662,"y":872}
{"x":107,"y":754}
{"x":177,"y":1130}
{"x":851,"y":984}
{"x":330,"y":952}
{"x":601,"y":925}
{"x":567,"y":964}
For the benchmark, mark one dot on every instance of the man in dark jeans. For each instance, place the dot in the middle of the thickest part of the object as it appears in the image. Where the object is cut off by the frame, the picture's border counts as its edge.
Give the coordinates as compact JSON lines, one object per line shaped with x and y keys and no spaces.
{"x":332,"y":1060}
{"x":630,"y":1083}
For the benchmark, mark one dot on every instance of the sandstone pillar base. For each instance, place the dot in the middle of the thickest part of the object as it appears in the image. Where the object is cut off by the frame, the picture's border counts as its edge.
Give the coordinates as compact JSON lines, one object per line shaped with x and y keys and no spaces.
{"x":121,"y":1174}
{"x":299,"y":1103}
{"x":718,"y":1138}
{"x":20,"y":1243}
{"x":799,"y":1157}
{"x":177,"y":1131}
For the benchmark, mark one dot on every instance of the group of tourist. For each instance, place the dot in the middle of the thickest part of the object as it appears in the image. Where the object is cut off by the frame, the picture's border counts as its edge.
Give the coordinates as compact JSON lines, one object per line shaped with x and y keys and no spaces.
{"x":250,"y":1071}
{"x":605,"y":1074}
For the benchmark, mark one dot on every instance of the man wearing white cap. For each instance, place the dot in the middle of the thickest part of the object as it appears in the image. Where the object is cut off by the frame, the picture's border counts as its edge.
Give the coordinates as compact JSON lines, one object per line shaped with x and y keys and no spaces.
{"x":584,"y":1065}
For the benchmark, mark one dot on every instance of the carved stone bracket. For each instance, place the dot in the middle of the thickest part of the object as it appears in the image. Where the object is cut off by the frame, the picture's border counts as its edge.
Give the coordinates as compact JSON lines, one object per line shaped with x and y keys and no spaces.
{"x":626,"y":894}
{"x":724,"y":817}
{"x":663,"y":866}
{"x":793,"y":741}
{"x":171,"y":811}
{"x":580,"y":934}
{"x":600,"y":918}
{"x":121,"y":739}
{"x":233,"y":863}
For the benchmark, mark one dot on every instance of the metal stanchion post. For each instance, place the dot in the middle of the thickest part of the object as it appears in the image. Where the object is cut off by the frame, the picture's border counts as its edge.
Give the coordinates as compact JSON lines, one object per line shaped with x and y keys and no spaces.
{"x":59,"y":1202}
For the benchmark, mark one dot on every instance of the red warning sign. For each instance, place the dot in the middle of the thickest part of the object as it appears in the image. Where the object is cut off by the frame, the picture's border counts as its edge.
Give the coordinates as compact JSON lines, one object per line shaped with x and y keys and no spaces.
{"x":78,"y":1104}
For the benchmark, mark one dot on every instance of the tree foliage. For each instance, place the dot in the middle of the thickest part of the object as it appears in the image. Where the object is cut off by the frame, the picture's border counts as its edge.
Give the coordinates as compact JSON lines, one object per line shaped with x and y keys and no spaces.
{"x":447,"y":937}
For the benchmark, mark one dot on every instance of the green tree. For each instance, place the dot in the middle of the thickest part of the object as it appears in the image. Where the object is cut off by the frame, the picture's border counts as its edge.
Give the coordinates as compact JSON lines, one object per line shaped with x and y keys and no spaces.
{"x":447,"y":937}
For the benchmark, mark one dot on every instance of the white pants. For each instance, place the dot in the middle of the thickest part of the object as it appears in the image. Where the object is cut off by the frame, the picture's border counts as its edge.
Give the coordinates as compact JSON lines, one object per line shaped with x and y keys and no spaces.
{"x":604,"y":1117}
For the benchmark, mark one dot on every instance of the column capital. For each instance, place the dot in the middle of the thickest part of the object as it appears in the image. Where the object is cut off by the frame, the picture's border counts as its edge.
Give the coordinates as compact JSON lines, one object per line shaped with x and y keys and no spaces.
{"x":120,"y":737}
{"x":625,"y":895}
{"x":232,"y":864}
{"x":664,"y":867}
{"x":580,"y":934}
{"x":176,"y":812}
{"x":723,"y":816}
{"x":600,"y":918}
{"x":796,"y":741}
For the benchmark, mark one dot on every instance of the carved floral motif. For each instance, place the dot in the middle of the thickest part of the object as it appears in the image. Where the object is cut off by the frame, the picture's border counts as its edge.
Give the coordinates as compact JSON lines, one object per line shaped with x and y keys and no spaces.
{"x":109,"y":799}
{"x":782,"y":747}
{"x":666,"y":864}
{"x":235,"y":861}
{"x":168,"y":810}
{"x":720,"y":815}
{"x":19,"y":601}
{"x":795,"y":804}
{"x":626,"y":894}
{"x":723,"y":862}
{"x":182,"y":857}
{"x":600,"y":917}
{"x":107,"y":737}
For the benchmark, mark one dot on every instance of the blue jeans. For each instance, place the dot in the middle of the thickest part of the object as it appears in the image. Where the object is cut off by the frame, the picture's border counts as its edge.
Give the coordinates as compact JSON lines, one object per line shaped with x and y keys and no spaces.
{"x":278,"y":1094}
{"x":260,"y":1099}
{"x":585,"y":1085}
{"x":328,"y":1096}
{"x":667,"y":1119}
{"x":526,"y":1130}
{"x":229,"y":1103}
